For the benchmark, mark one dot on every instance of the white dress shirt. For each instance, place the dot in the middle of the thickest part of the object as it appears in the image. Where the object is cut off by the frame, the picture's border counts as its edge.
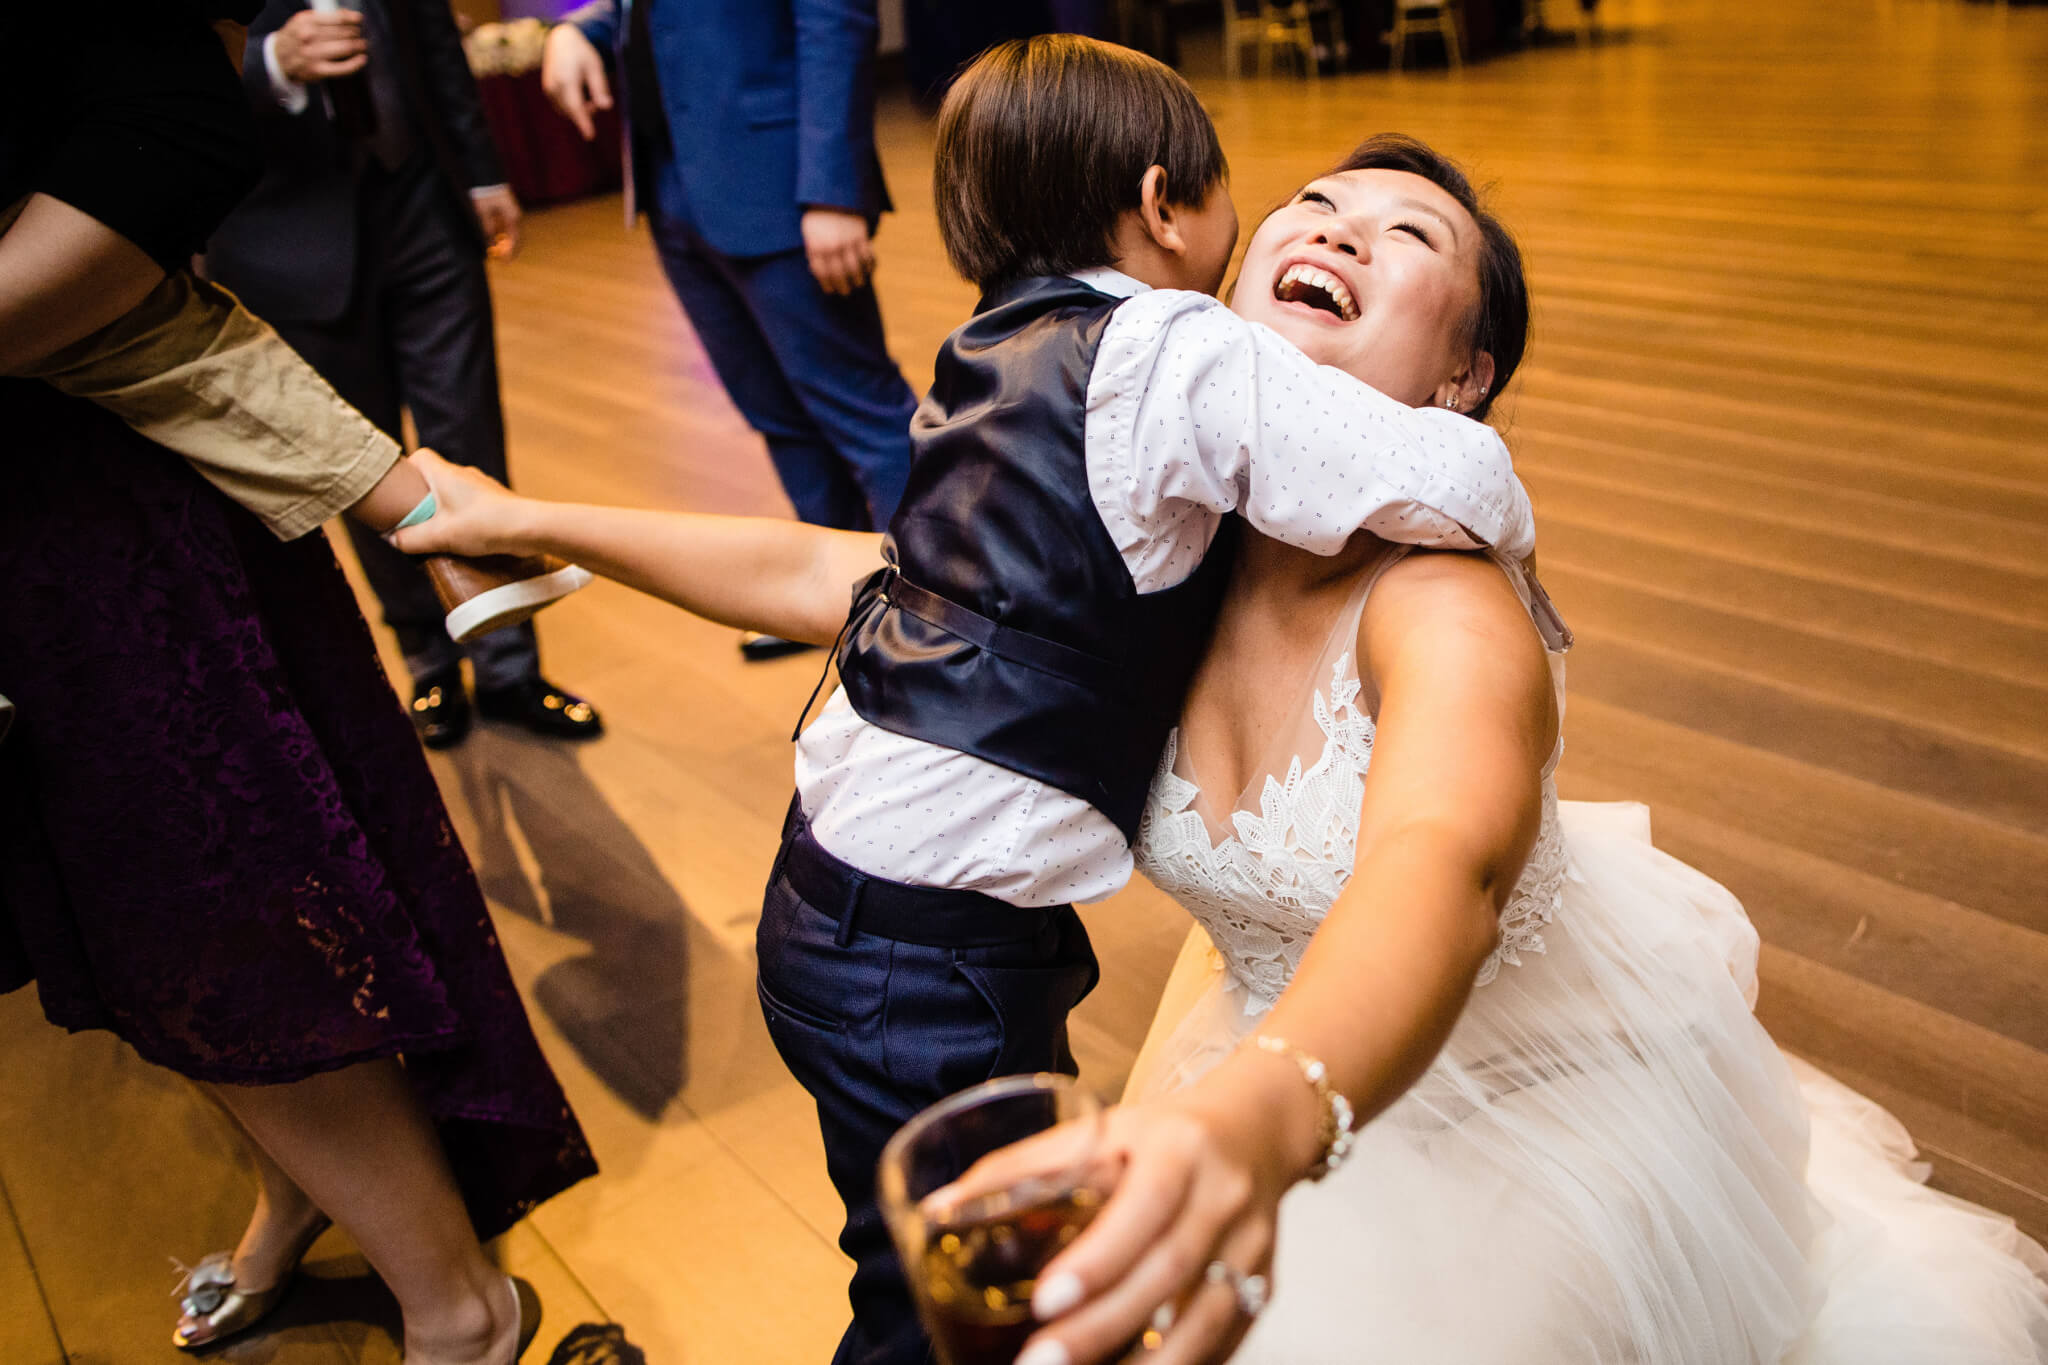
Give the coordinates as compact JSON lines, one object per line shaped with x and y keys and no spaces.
{"x":292,"y":96}
{"x":1193,"y":413}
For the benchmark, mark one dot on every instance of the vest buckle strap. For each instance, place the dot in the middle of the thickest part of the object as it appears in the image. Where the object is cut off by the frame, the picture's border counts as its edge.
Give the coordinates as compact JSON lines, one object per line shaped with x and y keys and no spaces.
{"x":867,"y":590}
{"x":1036,"y":652}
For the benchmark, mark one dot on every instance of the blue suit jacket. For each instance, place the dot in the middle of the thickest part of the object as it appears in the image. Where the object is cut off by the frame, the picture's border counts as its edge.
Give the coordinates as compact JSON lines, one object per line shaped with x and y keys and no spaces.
{"x":771,"y":109}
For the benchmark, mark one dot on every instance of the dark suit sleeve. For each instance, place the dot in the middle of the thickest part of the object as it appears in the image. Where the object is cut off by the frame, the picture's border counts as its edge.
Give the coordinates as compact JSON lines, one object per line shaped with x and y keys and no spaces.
{"x":453,"y":89}
{"x":256,"y":70}
{"x":835,"y":78}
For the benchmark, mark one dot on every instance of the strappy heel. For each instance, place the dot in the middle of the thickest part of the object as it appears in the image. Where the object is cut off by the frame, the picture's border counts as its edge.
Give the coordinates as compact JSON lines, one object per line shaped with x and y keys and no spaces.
{"x":224,"y":1309}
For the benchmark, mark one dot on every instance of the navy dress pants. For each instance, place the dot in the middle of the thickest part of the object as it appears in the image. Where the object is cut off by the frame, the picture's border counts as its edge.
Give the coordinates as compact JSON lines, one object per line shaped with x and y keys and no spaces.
{"x":877,"y":1028}
{"x":808,"y":370}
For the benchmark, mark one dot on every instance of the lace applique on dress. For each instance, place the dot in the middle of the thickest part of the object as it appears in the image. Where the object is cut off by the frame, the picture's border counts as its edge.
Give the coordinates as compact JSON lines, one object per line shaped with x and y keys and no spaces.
{"x":1261,"y":891}
{"x":1535,"y":899}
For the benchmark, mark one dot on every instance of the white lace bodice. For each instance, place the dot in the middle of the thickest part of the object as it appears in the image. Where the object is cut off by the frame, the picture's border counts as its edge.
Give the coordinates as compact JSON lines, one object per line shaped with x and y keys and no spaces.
{"x":1261,"y":891}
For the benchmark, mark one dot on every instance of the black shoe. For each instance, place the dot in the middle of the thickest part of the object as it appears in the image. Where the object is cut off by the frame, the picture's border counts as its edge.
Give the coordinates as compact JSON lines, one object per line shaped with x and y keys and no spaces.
{"x":440,"y":710}
{"x":541,"y":707}
{"x":593,"y":1343}
{"x":754,"y":646}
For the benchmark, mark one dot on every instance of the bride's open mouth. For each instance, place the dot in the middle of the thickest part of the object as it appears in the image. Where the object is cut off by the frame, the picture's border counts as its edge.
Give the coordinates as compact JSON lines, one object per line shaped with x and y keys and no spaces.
{"x":1316,"y":288}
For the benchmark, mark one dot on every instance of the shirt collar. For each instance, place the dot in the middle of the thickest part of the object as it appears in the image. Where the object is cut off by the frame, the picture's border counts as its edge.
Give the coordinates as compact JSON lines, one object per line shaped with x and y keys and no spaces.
{"x":1112,"y":282}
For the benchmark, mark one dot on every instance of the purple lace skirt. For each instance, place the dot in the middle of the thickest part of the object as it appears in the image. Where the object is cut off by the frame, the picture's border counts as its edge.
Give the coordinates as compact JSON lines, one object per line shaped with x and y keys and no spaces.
{"x":218,"y":836}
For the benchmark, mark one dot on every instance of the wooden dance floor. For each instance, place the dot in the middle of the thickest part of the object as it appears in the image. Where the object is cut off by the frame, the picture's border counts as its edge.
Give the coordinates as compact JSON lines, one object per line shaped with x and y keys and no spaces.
{"x":1783,"y":420}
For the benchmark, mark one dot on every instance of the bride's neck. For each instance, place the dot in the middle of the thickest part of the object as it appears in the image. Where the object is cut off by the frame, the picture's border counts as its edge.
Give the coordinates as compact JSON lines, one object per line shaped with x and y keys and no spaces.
{"x":1265,"y":565}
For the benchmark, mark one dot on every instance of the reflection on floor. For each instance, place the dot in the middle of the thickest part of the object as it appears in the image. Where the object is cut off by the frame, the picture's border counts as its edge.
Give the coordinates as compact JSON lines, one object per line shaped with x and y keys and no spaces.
{"x":1783,"y":421}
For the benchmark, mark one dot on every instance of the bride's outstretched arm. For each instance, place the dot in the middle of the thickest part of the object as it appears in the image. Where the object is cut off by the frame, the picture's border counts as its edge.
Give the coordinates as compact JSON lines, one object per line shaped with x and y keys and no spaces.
{"x":1465,"y":723}
{"x":1452,"y":807}
{"x":758,"y":573}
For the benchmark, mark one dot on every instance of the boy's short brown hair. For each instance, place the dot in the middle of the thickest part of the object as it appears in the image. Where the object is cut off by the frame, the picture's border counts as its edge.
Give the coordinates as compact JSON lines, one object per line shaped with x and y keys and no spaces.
{"x":1042,"y":145}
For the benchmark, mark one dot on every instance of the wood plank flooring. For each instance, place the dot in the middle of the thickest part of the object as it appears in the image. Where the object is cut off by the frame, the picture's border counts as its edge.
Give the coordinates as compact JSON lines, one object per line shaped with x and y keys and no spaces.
{"x":1783,"y":420}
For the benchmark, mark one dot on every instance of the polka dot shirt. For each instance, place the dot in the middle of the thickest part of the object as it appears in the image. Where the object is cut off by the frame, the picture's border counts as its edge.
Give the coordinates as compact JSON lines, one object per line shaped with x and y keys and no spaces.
{"x":1193,"y":413}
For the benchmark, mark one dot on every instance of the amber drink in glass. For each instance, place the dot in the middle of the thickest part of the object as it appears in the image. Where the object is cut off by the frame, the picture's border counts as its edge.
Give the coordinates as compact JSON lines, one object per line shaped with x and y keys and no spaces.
{"x":973,"y":1261}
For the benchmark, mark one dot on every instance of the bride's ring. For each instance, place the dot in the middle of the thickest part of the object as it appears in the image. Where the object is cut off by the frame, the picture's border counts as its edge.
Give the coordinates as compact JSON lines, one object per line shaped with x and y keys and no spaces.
{"x":1251,"y":1290}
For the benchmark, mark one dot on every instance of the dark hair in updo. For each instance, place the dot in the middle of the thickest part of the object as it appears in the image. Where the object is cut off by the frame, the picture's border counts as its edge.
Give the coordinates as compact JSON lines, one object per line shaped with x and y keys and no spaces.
{"x":1500,"y":325}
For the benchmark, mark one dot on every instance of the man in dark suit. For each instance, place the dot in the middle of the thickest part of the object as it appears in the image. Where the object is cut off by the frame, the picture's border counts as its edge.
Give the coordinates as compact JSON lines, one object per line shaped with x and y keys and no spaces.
{"x":750,"y":131}
{"x":363,"y":245}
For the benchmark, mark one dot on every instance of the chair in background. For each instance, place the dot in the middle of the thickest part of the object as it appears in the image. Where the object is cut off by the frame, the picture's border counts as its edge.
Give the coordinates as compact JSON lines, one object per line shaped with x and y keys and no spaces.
{"x":1152,"y":26}
{"x":1534,"y":20}
{"x":1286,"y":26}
{"x":1427,"y":16}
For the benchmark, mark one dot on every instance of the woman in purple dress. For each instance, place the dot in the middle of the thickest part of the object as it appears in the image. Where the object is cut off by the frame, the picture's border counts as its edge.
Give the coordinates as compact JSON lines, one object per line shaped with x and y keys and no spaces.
{"x":218,"y":836}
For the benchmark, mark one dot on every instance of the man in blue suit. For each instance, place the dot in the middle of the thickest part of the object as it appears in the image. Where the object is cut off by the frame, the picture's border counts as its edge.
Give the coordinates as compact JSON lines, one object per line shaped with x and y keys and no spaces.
{"x":750,"y":135}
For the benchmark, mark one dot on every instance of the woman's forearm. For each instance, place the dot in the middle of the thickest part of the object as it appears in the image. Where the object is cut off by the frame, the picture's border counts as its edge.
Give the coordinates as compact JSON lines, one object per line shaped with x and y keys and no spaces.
{"x":783,"y":577}
{"x":1201,"y":1173}
{"x":1452,"y":806}
{"x":1377,"y":992}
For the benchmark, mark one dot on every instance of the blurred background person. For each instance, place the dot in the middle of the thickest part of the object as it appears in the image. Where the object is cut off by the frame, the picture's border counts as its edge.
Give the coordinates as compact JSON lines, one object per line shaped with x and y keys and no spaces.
{"x":751,"y":137}
{"x":218,"y":839}
{"x":363,"y":244}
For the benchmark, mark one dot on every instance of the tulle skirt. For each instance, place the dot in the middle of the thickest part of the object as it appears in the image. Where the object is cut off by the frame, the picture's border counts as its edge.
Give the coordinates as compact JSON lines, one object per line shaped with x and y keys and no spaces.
{"x":1610,"y":1163}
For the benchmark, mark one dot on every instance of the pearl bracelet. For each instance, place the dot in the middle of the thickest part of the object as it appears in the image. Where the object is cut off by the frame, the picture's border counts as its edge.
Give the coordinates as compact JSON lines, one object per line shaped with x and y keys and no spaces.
{"x":1334,"y":1134}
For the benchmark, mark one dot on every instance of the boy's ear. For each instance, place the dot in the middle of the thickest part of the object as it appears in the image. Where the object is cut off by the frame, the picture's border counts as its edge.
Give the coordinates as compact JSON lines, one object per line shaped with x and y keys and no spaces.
{"x":1156,"y":215}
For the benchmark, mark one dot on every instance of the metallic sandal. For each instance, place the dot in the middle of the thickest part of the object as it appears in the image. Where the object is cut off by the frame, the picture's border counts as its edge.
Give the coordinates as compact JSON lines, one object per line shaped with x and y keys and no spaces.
{"x":223,"y":1310}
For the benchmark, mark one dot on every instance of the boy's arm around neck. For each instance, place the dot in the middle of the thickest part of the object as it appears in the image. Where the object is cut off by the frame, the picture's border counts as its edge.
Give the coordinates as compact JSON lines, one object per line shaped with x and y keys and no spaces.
{"x":1189,"y":403}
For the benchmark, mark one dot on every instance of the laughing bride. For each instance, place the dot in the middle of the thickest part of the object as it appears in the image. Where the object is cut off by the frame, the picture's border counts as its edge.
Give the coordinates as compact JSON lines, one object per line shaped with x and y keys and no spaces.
{"x":1469,"y":1075}
{"x":1464,"y":1074}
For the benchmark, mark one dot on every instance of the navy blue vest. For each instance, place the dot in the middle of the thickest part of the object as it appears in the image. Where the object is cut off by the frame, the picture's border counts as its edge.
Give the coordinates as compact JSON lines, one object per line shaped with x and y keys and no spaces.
{"x":1007,"y":625}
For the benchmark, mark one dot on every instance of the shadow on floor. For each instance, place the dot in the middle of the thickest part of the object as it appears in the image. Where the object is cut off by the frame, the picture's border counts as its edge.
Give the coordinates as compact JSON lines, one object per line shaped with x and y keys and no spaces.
{"x":549,"y":847}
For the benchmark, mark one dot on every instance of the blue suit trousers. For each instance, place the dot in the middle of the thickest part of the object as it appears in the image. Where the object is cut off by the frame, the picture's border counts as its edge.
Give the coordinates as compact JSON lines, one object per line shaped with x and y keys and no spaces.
{"x":808,"y":370}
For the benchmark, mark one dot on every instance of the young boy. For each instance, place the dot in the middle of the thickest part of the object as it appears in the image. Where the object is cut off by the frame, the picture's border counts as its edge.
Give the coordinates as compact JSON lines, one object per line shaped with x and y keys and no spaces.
{"x":1009,"y":677}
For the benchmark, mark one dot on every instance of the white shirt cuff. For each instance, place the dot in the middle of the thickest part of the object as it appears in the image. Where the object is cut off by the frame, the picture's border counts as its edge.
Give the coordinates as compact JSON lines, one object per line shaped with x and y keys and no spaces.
{"x":290,"y":93}
{"x":479,"y":191}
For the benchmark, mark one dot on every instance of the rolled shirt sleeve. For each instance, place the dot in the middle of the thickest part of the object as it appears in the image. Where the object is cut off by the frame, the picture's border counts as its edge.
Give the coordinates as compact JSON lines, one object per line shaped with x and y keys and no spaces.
{"x":197,"y":373}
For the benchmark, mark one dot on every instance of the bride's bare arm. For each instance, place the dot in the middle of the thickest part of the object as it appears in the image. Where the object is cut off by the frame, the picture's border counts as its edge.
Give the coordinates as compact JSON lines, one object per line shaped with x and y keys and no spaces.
{"x":757,"y":573}
{"x":1452,"y":806}
{"x":1466,"y":720}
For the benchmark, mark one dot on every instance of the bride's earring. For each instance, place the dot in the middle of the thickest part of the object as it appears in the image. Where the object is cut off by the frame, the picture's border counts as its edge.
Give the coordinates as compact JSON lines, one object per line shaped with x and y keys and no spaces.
{"x":1451,"y":402}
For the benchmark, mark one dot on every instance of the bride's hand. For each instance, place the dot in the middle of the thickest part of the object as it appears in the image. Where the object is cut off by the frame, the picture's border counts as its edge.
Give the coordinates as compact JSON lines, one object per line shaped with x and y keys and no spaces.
{"x":1202,"y":1174}
{"x":474,"y":514}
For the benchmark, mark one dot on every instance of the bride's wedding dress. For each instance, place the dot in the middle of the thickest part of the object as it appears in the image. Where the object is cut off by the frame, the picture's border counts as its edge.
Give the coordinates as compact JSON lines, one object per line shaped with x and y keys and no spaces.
{"x":1610,"y":1162}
